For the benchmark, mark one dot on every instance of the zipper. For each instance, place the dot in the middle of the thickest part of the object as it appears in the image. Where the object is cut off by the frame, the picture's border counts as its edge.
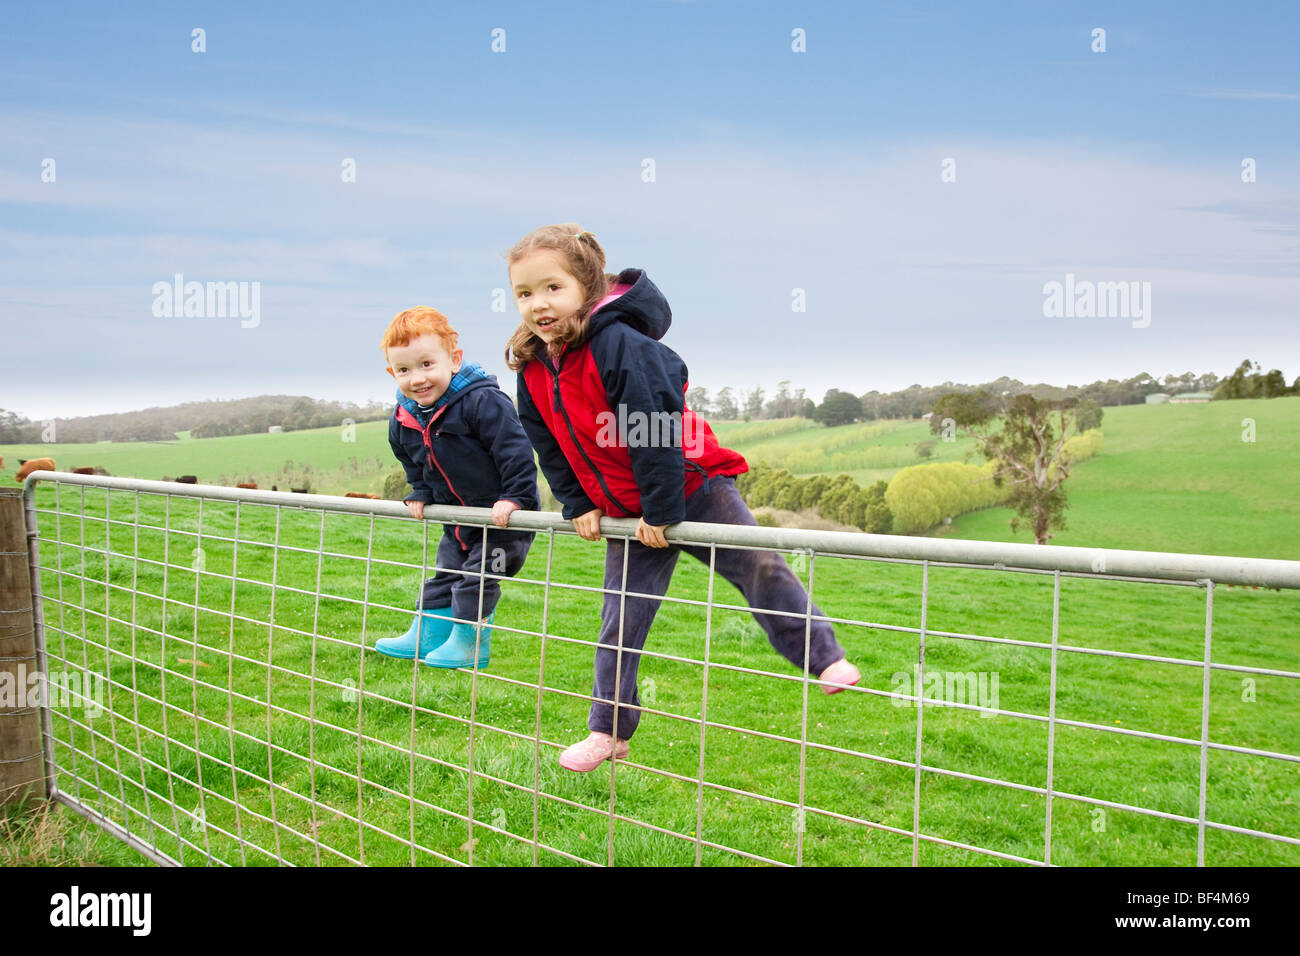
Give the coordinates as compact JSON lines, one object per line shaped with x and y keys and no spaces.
{"x":428,"y":444}
{"x":559,"y":403}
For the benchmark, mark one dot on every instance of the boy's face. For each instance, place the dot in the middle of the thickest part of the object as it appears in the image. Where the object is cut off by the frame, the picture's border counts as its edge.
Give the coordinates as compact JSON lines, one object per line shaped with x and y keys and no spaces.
{"x":423,"y":368}
{"x":546,"y":295}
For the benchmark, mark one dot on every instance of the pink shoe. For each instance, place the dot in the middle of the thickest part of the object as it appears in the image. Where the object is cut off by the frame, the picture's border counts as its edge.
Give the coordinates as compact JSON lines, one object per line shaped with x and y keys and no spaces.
{"x":840,"y":673}
{"x":592,"y":752}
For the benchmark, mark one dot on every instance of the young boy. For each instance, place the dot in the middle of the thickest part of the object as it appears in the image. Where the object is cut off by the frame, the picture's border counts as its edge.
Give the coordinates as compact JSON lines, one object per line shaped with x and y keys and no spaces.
{"x":459,"y":439}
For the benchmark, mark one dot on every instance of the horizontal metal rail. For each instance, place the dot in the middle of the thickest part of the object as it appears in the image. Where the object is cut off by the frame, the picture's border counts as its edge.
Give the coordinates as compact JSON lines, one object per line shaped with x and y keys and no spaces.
{"x":998,"y":555}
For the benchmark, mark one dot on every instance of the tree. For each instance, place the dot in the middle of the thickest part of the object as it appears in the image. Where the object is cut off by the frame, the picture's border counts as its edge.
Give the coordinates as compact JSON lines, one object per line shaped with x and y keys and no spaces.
{"x":754,"y":403}
{"x":785,"y":404}
{"x":697,"y":400}
{"x":773,"y":409}
{"x":838,"y":408}
{"x":1088,"y":415}
{"x":878,"y":519}
{"x":11,"y":427}
{"x":813,"y":489}
{"x":1028,"y":452}
{"x":1240,"y":384}
{"x":1273,"y":384}
{"x":725,"y":406}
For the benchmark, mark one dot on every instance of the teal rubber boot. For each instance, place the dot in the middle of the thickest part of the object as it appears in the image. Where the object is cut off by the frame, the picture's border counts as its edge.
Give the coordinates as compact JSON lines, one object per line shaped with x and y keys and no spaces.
{"x":427,"y":631}
{"x":458,"y":649}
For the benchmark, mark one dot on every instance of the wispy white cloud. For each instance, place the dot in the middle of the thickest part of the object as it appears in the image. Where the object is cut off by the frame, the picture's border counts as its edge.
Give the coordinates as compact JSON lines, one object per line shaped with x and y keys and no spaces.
{"x":1248,"y":95}
{"x":907,"y":278}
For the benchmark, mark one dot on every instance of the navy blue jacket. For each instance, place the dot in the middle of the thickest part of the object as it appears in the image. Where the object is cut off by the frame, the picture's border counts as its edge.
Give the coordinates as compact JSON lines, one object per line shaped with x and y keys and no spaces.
{"x":472,"y":451}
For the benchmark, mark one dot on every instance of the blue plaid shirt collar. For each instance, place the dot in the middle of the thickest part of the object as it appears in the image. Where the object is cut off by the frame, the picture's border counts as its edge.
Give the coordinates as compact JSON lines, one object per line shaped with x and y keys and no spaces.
{"x":469,"y":373}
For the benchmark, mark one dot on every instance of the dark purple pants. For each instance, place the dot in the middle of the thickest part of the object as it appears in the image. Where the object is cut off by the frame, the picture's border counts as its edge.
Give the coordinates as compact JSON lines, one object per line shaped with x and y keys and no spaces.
{"x":506,"y":553}
{"x":763,"y":577}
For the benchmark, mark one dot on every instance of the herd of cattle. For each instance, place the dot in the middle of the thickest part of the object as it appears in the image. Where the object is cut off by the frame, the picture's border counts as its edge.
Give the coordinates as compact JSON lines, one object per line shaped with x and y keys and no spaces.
{"x":29,"y":465}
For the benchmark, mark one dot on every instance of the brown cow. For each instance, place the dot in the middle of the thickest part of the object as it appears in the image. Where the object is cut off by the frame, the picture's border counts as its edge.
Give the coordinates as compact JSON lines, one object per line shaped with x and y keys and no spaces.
{"x":247,"y":484}
{"x":83,"y":471}
{"x":301,"y":491}
{"x":33,"y":464}
{"x":187,"y":480}
{"x":360,"y":494}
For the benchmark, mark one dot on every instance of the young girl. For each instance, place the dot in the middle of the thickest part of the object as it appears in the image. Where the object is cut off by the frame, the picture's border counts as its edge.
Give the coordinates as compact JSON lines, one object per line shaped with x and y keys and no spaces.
{"x":588,"y":355}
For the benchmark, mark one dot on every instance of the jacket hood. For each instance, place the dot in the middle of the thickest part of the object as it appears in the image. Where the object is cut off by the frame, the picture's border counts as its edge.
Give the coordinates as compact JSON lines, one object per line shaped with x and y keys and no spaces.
{"x":470,"y":377}
{"x":636,"y":300}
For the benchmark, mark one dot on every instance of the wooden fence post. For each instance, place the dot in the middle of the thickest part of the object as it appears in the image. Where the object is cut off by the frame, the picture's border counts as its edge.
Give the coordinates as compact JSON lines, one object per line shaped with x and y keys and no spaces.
{"x":22,"y":762}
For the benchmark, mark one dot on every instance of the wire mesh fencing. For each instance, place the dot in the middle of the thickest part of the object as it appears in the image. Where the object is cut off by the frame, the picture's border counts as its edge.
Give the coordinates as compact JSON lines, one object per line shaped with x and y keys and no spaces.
{"x":1019,"y":704}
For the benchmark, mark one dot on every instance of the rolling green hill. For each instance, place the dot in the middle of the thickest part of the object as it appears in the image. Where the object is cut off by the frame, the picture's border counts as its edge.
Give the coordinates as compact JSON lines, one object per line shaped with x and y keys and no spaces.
{"x":1168,"y":478}
{"x":326,"y":453}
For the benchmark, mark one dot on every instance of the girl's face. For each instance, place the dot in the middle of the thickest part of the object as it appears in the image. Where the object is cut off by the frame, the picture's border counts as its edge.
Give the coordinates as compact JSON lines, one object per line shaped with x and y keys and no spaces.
{"x":547,"y":296}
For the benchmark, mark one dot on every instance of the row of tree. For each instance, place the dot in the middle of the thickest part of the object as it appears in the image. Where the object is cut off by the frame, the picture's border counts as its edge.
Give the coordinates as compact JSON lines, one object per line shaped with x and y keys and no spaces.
{"x":211,"y":419}
{"x":835,"y":499}
{"x":1249,"y":382}
{"x":730,"y":405}
{"x":921,"y":496}
{"x":841,"y":408}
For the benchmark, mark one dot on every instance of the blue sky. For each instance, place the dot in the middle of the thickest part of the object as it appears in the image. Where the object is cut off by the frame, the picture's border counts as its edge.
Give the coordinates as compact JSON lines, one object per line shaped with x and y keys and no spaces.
{"x":775,"y":170}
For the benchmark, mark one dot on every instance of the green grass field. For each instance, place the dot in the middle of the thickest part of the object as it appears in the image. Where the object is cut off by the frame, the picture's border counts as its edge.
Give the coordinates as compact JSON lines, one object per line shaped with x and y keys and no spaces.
{"x":1181,"y":481}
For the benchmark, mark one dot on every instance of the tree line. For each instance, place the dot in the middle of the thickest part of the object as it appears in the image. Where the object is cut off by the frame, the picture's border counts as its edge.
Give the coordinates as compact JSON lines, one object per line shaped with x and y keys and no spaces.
{"x":208,"y":419}
{"x":841,"y":408}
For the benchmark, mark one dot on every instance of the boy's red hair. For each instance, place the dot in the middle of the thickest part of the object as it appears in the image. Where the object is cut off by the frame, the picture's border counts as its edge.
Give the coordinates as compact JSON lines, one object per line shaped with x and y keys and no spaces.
{"x":411,"y":324}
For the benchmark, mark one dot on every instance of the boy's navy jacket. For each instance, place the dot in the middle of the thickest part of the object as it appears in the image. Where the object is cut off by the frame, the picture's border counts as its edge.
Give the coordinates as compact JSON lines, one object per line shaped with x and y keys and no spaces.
{"x":472,"y":451}
{"x":599,"y":414}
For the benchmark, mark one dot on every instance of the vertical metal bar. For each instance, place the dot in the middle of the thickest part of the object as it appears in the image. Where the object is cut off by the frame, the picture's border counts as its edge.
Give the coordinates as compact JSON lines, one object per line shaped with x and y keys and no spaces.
{"x":541,"y":683}
{"x":230,"y":688}
{"x":311,"y":692}
{"x":618,"y":688}
{"x":270,"y":660}
{"x":361,"y":689}
{"x":167,"y":739}
{"x":1051,"y":712}
{"x":920,"y":710}
{"x":135,"y":682}
{"x":63,"y":637}
{"x":108,"y":656}
{"x":801,"y":819}
{"x":473,"y":687}
{"x":704,"y":707}
{"x":415,"y":680}
{"x":85,"y":658}
{"x":1205,"y":722}
{"x":200,"y":562}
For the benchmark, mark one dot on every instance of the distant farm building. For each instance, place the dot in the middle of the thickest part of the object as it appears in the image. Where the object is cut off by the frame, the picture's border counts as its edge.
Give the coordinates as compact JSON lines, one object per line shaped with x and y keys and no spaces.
{"x":274,"y":430}
{"x":1191,"y":398}
{"x":1157,"y":398}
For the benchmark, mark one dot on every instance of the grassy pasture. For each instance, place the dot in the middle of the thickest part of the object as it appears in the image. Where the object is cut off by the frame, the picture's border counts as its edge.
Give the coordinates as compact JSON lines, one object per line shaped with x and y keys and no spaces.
{"x":212,"y":671}
{"x":1175,"y":478}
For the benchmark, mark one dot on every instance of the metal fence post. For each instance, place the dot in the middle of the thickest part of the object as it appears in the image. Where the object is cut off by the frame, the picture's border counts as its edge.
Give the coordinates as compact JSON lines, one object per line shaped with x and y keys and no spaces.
{"x":22,"y":770}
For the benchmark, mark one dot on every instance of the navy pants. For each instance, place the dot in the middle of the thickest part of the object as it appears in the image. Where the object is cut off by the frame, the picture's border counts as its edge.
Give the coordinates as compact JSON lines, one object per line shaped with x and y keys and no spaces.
{"x":763,"y":577}
{"x":460,"y":563}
